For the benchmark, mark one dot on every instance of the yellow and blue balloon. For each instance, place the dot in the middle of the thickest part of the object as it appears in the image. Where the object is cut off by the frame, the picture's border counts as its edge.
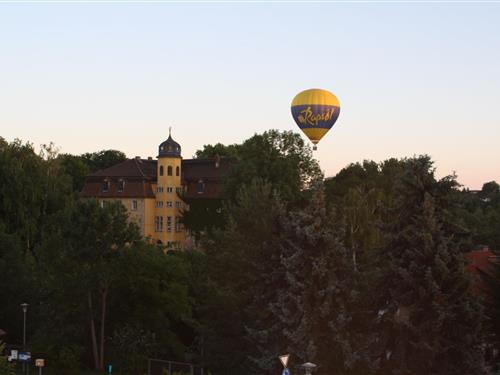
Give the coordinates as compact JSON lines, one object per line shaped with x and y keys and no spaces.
{"x":315,"y":112}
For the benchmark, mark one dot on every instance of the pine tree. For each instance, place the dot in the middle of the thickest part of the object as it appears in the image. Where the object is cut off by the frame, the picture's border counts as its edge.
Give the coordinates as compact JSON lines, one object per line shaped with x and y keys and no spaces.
{"x":244,"y":263}
{"x":314,"y":307}
{"x":428,"y":321}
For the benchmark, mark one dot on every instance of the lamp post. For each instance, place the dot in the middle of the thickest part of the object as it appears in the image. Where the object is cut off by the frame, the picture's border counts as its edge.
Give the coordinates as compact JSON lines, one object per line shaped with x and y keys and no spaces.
{"x":308,"y":367}
{"x":25,"y":310}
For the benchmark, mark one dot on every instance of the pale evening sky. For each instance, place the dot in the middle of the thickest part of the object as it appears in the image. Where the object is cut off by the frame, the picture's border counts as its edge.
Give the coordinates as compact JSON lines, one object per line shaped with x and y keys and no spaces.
{"x":412,"y":78}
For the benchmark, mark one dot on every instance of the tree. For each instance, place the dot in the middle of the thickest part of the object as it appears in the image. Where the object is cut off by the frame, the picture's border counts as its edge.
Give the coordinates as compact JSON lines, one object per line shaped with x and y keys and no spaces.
{"x":316,"y":303}
{"x":151,"y":286}
{"x":36,"y":189}
{"x":280,"y":158}
{"x":5,"y":367}
{"x":490,"y":293}
{"x":17,"y":285}
{"x":490,"y":191}
{"x":77,"y":167}
{"x":428,"y":321}
{"x":203,"y":216}
{"x":211,"y":151}
{"x":103,"y":159}
{"x":244,"y":263}
{"x":89,"y":247}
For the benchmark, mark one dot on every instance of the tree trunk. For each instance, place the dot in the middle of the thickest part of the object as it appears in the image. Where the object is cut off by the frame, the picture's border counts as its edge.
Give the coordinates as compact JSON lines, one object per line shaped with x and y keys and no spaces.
{"x":104,"y":297}
{"x":92,"y":332}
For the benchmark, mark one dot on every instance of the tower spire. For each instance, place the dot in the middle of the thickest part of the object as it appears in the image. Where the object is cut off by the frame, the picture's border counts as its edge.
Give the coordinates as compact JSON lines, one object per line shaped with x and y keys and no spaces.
{"x":169,"y":131}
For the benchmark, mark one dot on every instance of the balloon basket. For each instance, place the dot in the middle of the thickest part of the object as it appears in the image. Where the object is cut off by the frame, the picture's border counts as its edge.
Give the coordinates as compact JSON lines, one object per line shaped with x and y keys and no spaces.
{"x":315,"y":148}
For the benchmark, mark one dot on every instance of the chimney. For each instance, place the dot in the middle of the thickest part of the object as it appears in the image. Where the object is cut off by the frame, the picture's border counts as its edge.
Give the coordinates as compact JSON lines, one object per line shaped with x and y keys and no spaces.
{"x":150,"y":158}
{"x":217,"y":161}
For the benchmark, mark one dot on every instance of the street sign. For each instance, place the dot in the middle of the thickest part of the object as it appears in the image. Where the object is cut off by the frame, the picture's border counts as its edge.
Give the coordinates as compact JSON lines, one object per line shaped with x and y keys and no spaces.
{"x":13,"y":354}
{"x":24,"y":356}
{"x":39,"y":362}
{"x":284,"y":359}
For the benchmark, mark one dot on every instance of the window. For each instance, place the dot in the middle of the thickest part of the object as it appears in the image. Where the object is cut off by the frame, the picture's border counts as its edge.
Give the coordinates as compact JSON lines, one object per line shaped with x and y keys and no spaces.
{"x":159,"y":204}
{"x":178,"y":224}
{"x":178,"y":190}
{"x":169,"y":170}
{"x":177,"y":171}
{"x":159,"y":223}
{"x":178,"y":204}
{"x":105,"y":186}
{"x":169,"y":223}
{"x":159,"y":189}
{"x":134,"y":205}
{"x":170,"y":189}
{"x":121,"y":185}
{"x":169,"y":203}
{"x":161,"y":170}
{"x":201,"y":187}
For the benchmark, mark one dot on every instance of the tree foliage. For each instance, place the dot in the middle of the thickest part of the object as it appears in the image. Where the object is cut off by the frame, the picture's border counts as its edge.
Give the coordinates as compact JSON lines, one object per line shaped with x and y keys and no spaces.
{"x":6,"y":368}
{"x":280,"y":158}
{"x":430,"y":323}
{"x":361,"y":273}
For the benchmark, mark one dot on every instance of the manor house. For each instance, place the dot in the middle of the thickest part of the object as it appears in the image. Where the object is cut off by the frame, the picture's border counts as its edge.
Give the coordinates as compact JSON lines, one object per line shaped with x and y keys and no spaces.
{"x":155,"y":192}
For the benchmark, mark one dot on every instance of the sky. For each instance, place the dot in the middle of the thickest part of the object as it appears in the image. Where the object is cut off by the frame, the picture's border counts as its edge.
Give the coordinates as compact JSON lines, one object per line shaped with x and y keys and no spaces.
{"x":412,"y":77}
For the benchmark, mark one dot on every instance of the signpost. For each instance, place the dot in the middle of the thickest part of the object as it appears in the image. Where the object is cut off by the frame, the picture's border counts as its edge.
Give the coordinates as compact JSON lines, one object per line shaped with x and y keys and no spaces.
{"x":284,"y":362}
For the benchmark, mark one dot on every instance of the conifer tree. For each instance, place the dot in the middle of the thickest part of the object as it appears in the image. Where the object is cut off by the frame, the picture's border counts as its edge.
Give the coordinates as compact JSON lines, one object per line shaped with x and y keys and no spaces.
{"x":244,"y":263}
{"x":314,"y":307}
{"x":428,"y":321}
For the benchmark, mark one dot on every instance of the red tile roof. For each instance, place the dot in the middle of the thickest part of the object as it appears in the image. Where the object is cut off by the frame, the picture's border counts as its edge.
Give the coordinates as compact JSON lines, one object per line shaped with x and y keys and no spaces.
{"x":139,"y":174}
{"x":129,"y":168}
{"x":480,"y":261}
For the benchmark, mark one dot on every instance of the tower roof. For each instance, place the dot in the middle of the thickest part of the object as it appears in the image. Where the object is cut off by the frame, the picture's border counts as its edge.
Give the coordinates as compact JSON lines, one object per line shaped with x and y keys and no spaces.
{"x":169,"y":147}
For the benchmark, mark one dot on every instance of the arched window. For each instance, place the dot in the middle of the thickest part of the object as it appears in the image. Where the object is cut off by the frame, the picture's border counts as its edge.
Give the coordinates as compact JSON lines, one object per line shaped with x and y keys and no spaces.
{"x":169,"y":170}
{"x":161,"y":170}
{"x":177,"y":171}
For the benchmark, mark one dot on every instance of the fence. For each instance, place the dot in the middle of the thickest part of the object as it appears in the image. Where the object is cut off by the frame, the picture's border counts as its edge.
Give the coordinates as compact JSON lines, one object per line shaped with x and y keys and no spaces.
{"x":162,"y":367}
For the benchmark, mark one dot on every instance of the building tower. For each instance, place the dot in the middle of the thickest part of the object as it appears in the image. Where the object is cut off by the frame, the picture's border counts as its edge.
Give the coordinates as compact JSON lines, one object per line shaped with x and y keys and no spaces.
{"x":168,"y":206}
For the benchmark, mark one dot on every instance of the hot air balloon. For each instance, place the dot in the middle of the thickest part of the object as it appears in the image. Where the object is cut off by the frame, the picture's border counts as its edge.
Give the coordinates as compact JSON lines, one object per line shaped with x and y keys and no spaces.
{"x":315,"y":111}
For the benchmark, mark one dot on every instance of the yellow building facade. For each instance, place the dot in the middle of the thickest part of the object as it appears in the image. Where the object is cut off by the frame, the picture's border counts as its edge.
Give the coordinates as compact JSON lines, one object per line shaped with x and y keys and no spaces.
{"x":155,"y":192}
{"x":168,"y":228}
{"x":151,"y":192}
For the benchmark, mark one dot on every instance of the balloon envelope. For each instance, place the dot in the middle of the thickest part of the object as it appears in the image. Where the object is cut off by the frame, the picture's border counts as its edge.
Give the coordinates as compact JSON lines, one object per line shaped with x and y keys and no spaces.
{"x":315,"y":112}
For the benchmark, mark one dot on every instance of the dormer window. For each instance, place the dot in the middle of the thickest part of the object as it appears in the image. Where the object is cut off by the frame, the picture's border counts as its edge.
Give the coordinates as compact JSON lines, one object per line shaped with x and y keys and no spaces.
{"x":121,"y":185}
{"x":105,"y":186}
{"x":169,"y":170}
